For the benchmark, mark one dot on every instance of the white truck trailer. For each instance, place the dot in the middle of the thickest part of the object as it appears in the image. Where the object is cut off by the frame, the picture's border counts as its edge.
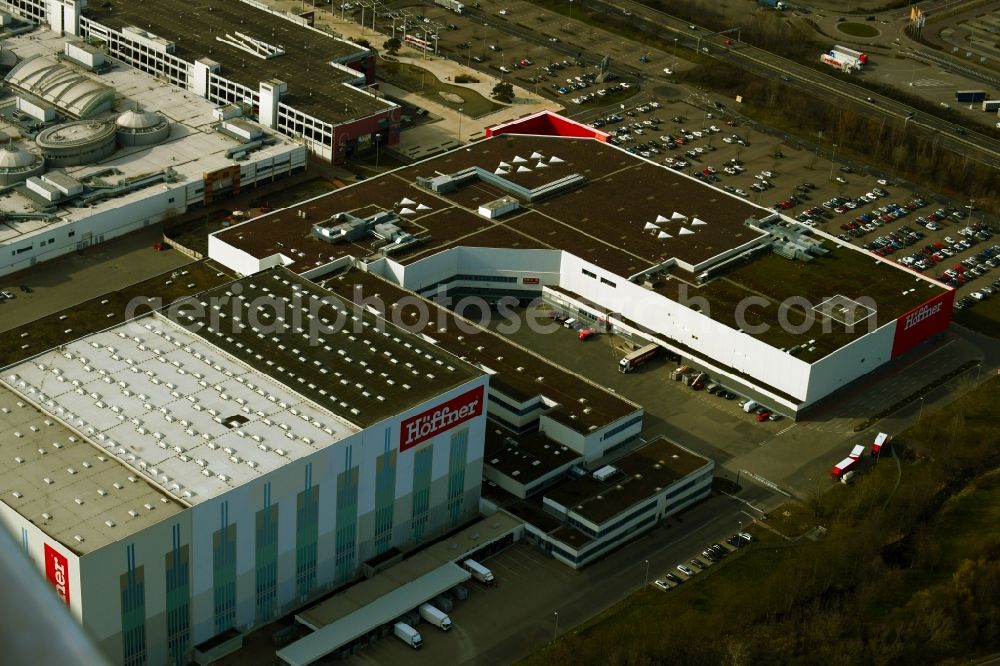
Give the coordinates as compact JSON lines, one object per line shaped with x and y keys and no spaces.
{"x":479,"y":572}
{"x":408,"y":635}
{"x":435,"y":617}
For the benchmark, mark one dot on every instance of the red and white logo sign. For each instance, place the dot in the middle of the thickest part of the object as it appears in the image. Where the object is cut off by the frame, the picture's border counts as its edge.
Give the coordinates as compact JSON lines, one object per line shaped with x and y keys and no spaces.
{"x":436,"y":420}
{"x":57,"y":571}
{"x":922,"y":322}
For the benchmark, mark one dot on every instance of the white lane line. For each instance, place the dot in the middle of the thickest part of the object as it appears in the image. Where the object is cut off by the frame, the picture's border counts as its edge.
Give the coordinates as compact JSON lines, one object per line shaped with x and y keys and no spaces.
{"x":782,"y":432}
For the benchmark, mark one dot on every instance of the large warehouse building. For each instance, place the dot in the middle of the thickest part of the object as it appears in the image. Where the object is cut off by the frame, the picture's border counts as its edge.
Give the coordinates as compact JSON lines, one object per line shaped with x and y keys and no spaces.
{"x":763,"y":304}
{"x":91,"y":157}
{"x":289,"y":76}
{"x":172,"y":490}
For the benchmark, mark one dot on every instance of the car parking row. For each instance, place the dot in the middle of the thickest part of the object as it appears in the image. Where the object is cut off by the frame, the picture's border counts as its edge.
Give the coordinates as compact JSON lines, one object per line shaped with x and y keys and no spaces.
{"x":712,"y":554}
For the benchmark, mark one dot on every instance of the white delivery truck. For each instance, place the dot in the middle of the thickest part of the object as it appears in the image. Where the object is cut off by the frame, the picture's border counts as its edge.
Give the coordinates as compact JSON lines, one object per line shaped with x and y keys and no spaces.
{"x":479,"y":572}
{"x":408,"y":635}
{"x":435,"y":617}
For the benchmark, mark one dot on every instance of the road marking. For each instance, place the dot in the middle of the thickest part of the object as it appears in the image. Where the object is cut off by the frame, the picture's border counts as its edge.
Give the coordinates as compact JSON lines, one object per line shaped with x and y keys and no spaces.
{"x":782,"y":432}
{"x":930,"y":83}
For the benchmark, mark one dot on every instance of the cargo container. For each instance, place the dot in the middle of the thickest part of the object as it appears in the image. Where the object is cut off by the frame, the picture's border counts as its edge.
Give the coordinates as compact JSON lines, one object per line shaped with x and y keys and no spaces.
{"x":991,"y":105}
{"x":881,"y":441}
{"x":857,"y":452}
{"x":843,"y":467}
{"x":436,"y":617}
{"x":970,"y":95}
{"x":408,"y":635}
{"x":634,"y":359}
{"x":453,"y":5}
{"x":479,"y":572}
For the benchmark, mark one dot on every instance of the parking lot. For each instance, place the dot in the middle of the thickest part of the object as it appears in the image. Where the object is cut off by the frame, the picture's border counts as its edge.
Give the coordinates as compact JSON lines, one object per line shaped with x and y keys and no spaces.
{"x":499,"y":625}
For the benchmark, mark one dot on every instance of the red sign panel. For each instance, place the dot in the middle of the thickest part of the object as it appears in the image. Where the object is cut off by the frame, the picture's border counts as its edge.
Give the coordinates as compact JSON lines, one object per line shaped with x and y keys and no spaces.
{"x":436,"y":420}
{"x":57,"y":571}
{"x":529,"y":280}
{"x":922,"y":322}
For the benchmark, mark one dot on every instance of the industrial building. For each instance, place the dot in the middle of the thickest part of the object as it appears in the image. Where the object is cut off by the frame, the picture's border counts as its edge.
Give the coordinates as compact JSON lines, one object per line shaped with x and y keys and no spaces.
{"x":288,"y":76}
{"x":768,"y":307}
{"x":91,"y":156}
{"x":184,"y":477}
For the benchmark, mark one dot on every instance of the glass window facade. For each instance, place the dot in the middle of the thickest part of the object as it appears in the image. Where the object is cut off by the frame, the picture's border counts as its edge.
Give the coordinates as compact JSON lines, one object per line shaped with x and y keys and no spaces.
{"x":422,"y":462}
{"x":306,"y":535}
{"x":224,"y":572}
{"x":266,"y":558}
{"x":457,"y":454}
{"x":177,"y":565}
{"x":132,"y":590}
{"x":385,"y":499}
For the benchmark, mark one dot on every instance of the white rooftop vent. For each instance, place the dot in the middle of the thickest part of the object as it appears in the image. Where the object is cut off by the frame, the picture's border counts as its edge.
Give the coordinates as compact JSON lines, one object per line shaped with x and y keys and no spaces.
{"x":109,"y":523}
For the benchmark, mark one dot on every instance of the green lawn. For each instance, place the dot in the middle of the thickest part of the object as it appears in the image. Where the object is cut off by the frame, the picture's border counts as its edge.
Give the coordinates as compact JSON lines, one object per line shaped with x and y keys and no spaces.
{"x":419,"y":80}
{"x":858,"y":29}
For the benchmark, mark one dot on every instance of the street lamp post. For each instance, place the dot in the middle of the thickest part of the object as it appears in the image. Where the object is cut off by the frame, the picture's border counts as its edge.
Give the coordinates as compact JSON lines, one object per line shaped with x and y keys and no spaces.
{"x":920,"y":415}
{"x":378,"y":137}
{"x":460,"y":124}
{"x":833,"y":160}
{"x":645,"y":583}
{"x":555,"y":632}
{"x":675,"y":51}
{"x":739,"y":539}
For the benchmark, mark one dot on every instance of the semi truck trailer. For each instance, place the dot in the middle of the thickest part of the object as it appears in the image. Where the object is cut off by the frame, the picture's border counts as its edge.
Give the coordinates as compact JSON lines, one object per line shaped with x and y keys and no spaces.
{"x":435,"y":617}
{"x":970,"y":95}
{"x":408,"y":635}
{"x":843,"y":467}
{"x":634,"y":359}
{"x":991,"y":105}
{"x":479,"y":572}
{"x":453,"y":5}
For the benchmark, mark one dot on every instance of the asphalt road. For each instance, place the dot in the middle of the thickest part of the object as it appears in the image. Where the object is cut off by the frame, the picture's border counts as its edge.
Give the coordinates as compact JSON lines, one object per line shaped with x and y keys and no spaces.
{"x":978,"y":146}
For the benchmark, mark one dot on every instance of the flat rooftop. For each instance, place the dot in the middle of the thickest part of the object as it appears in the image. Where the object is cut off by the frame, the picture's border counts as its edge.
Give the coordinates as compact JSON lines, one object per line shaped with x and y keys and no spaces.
{"x":314,"y":86}
{"x":192,"y":149}
{"x":614,"y":220}
{"x":194,"y":420}
{"x":516,"y":371}
{"x":622,"y":195}
{"x":75,"y":492}
{"x":641,"y":474}
{"x":356,"y":365}
{"x":526,"y":457}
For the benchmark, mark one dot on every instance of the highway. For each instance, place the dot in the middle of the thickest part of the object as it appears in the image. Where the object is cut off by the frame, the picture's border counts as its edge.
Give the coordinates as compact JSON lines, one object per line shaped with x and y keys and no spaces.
{"x":975,"y":145}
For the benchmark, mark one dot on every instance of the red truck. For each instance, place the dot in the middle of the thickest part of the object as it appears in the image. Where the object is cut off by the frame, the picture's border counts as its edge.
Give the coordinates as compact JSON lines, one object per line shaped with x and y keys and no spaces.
{"x":843,"y":467}
{"x":881,"y":440}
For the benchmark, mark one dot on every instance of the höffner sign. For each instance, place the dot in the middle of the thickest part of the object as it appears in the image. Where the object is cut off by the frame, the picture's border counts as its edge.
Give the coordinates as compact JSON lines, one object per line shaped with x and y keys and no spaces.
{"x":436,"y":420}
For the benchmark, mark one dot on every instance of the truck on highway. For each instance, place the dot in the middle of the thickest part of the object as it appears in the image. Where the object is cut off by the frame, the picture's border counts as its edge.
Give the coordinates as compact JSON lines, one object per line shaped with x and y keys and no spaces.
{"x":479,"y":572}
{"x":453,"y":5}
{"x":776,"y":4}
{"x":842,"y":468}
{"x":435,"y":617}
{"x":991,"y":105}
{"x":850,"y":54}
{"x":408,"y":635}
{"x":970,"y":95}
{"x":634,"y":359}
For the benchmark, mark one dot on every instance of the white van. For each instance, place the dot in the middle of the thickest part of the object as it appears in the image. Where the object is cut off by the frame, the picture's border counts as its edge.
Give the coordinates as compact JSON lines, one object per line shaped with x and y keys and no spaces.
{"x":750,"y":405}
